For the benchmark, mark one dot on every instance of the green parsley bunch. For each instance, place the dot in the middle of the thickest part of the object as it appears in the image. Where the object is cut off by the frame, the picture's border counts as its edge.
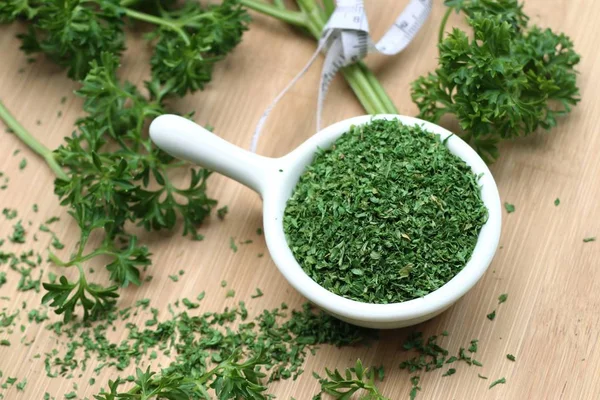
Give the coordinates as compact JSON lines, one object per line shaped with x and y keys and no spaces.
{"x":109,"y":174}
{"x":188,"y":38}
{"x":117,"y":176}
{"x":505,"y":81}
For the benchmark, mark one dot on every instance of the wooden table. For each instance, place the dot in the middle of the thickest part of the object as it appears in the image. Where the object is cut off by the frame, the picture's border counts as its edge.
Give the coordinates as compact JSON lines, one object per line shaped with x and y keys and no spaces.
{"x":551,"y":321}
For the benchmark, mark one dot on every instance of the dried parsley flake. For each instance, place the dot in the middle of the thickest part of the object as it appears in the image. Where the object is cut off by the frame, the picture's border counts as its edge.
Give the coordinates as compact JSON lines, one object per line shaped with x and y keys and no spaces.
{"x":497,"y":382}
{"x":502,"y":298}
{"x":385,"y":215}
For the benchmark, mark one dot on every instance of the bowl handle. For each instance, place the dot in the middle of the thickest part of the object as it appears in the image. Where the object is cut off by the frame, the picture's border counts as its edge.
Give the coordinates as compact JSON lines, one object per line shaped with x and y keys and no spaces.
{"x":187,"y":140}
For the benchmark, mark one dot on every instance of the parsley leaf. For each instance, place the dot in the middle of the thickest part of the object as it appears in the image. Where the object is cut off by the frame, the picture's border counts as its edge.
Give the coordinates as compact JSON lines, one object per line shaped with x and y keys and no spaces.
{"x":356,"y":379}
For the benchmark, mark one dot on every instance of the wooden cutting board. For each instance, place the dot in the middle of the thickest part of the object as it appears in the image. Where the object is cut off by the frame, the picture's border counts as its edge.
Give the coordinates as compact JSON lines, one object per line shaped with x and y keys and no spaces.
{"x":551,"y":321}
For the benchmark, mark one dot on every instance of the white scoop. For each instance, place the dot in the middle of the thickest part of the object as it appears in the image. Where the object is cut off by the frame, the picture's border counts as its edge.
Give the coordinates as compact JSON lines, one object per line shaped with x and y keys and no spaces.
{"x":275,"y":178}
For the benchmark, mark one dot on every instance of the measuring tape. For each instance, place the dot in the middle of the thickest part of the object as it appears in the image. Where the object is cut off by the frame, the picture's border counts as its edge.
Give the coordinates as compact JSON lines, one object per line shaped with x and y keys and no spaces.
{"x":345,"y":40}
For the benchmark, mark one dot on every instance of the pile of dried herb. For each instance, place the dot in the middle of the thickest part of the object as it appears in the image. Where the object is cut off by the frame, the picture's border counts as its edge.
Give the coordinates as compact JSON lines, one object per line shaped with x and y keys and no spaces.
{"x":387,"y":214}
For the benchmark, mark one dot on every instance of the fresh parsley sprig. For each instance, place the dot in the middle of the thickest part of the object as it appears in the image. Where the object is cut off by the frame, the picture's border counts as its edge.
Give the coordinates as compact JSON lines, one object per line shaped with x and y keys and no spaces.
{"x":232,"y":378}
{"x":110,"y":174}
{"x":505,"y":81}
{"x":356,"y":379}
{"x":188,"y":38}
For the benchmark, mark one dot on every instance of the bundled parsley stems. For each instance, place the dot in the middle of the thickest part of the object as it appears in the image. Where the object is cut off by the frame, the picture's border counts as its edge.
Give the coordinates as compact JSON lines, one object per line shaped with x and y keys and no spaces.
{"x":504,"y":80}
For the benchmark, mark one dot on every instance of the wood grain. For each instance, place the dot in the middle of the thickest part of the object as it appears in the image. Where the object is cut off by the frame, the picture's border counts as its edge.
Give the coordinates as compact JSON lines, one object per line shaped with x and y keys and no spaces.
{"x":550,"y":322}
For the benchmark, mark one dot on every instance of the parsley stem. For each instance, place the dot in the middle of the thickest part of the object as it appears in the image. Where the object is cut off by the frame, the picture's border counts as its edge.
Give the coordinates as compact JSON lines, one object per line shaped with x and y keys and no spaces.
{"x":362,"y":81}
{"x":291,"y":17}
{"x":329,"y":7}
{"x":376,"y":85}
{"x":353,"y":73}
{"x":158,"y":21}
{"x":443,"y":24}
{"x":32,"y":142}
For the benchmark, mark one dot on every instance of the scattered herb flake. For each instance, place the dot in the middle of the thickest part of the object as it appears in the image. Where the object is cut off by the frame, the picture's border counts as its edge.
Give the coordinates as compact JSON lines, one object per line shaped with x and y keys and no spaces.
{"x":415,"y":387}
{"x":497,"y":382}
{"x":190,"y":305}
{"x":258,"y":293}
{"x":21,"y":385}
{"x":502,"y":298}
{"x":511,"y":357}
{"x":589,"y":239}
{"x":492,"y":315}
{"x":222,"y":212}
{"x":557,"y":202}
{"x":18,"y":234}
{"x":473,"y":346}
{"x":232,"y":244}
{"x":510,"y":208}
{"x":451,"y":371}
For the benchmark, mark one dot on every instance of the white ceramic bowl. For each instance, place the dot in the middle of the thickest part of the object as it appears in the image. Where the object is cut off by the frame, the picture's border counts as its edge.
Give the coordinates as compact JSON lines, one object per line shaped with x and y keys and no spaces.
{"x":275,"y":178}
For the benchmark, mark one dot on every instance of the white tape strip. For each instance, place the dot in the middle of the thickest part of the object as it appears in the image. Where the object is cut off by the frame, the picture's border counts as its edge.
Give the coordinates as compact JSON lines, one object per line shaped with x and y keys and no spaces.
{"x":346,"y":40}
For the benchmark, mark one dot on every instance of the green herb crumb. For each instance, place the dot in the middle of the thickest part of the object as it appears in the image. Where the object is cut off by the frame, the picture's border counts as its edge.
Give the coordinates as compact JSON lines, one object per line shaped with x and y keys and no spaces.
{"x":491,"y":315}
{"x":502,"y":298}
{"x":230,"y":293}
{"x":589,"y":239}
{"x":473,"y":346}
{"x":451,"y":371}
{"x":510,"y":208}
{"x":511,"y":357}
{"x":557,"y":202}
{"x":415,"y":387}
{"x":190,"y":305}
{"x":21,"y":385}
{"x":232,"y":244}
{"x":258,"y":293}
{"x":222,"y":212}
{"x":18,"y":234}
{"x":23,"y":164}
{"x":497,"y":382}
